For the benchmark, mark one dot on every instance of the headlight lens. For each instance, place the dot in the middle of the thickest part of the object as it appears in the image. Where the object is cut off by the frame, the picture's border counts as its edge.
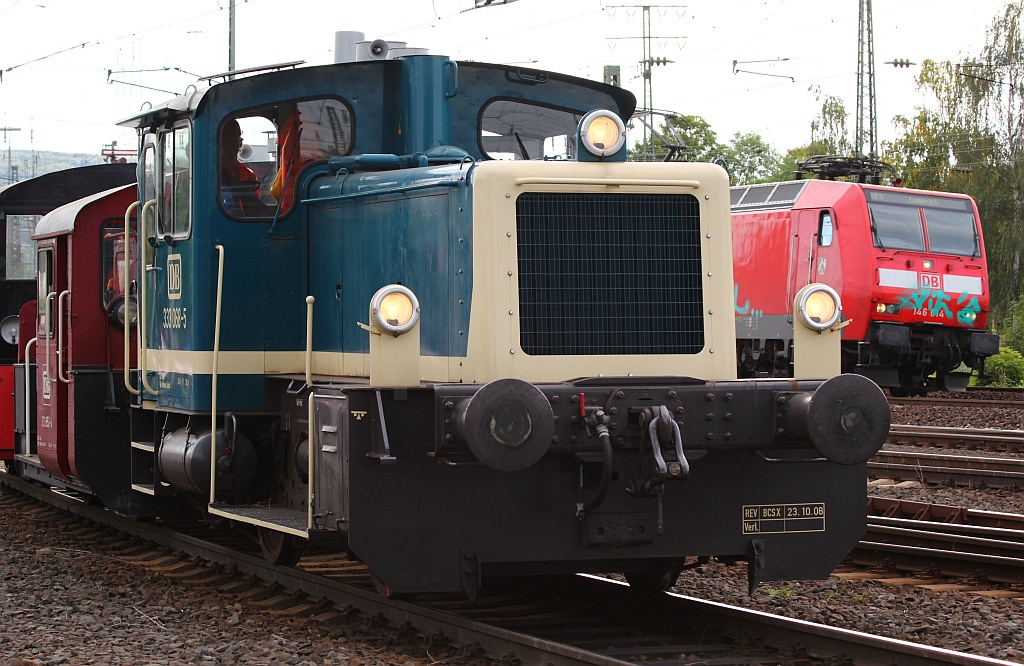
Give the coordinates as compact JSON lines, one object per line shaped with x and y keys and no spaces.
{"x":818,"y":306}
{"x":395,"y":309}
{"x":887,"y":308}
{"x":602,"y":133}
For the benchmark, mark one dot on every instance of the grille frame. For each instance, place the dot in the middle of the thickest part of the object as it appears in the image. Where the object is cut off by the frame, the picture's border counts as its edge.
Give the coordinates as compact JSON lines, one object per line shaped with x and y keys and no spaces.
{"x":610,"y":274}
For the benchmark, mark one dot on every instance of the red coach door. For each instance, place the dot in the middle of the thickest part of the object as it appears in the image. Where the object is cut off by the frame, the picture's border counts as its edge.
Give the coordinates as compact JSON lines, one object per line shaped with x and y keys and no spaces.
{"x":51,"y":368}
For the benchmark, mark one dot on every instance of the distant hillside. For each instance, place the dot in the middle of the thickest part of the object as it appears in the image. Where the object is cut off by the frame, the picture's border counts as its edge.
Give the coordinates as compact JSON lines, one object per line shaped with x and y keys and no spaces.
{"x":29,"y":163}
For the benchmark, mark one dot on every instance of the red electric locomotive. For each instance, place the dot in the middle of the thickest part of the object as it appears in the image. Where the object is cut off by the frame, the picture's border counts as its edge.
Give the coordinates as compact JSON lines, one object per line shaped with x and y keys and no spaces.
{"x":909,"y":265}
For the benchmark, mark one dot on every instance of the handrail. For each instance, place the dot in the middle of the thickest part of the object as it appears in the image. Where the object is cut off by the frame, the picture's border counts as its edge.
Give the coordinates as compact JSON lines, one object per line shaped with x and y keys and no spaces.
{"x":309,"y":340}
{"x":141,"y":336}
{"x":48,"y":310}
{"x":28,"y":396}
{"x":309,"y":461}
{"x":613,"y":182}
{"x":309,"y":400}
{"x":213,"y":378}
{"x":60,"y":337}
{"x":124,"y":291}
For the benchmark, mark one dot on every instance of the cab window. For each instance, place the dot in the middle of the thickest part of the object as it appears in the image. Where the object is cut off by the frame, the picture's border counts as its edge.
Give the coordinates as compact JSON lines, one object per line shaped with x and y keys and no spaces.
{"x":44,"y":288}
{"x":262,"y":154}
{"x":825,"y":229}
{"x":112,"y":245}
{"x":519,"y":130}
{"x":177,"y":177}
{"x":148,"y":186}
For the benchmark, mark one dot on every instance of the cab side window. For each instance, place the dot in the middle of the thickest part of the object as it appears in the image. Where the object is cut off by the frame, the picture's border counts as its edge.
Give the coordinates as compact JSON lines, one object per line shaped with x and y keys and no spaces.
{"x":825,"y":229}
{"x":261,"y":155}
{"x":174,"y":218}
{"x":44,"y":289}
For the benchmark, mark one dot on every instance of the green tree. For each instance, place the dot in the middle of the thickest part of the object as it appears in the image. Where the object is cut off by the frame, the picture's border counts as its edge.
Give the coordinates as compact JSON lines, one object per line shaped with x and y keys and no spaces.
{"x":689,"y":138}
{"x":973,"y":142}
{"x":750,"y":159}
{"x":829,"y":134}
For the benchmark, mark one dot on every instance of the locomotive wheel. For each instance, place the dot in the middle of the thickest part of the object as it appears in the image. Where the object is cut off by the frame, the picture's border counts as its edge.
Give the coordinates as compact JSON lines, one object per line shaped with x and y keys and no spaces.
{"x":280,"y":548}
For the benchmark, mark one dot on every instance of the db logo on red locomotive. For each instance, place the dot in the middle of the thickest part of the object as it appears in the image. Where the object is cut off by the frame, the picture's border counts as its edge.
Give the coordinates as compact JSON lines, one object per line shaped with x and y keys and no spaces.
{"x":931,"y":281}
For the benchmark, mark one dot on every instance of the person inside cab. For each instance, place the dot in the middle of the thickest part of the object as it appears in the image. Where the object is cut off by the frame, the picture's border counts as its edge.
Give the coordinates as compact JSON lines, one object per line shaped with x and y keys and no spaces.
{"x":239,"y":188}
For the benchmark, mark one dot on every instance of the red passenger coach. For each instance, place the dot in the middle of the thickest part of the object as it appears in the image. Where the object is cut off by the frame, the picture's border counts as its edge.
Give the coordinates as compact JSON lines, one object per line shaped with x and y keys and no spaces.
{"x":909,"y":266}
{"x":82,"y":407}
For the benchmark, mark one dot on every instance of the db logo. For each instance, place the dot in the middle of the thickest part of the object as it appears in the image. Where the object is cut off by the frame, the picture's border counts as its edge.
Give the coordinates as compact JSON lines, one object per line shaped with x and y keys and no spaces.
{"x":931,"y":281}
{"x":174,"y":277}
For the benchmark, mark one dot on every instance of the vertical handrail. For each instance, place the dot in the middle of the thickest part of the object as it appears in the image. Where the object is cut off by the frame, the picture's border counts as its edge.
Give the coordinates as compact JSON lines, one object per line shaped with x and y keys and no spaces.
{"x":48,"y":309}
{"x":309,"y":340}
{"x":28,"y":396}
{"x":309,"y":399}
{"x":60,"y":337}
{"x":216,"y":367}
{"x":309,"y":462}
{"x":127,"y":303}
{"x":141,"y":335}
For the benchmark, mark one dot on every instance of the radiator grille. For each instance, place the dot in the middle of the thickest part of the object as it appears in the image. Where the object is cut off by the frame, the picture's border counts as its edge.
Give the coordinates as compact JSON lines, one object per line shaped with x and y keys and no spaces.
{"x":609,"y":274}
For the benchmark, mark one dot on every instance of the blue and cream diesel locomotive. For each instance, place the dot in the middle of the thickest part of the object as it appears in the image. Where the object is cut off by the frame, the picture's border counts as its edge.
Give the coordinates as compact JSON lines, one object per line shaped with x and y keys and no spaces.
{"x":424,"y":310}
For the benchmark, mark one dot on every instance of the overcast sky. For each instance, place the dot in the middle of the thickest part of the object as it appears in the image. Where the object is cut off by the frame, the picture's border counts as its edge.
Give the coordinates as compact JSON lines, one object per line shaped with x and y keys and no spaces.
{"x":72,"y":69}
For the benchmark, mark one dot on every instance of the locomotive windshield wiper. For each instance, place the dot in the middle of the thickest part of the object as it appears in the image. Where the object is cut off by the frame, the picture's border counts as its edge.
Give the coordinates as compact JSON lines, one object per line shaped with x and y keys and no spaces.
{"x":522,"y":148}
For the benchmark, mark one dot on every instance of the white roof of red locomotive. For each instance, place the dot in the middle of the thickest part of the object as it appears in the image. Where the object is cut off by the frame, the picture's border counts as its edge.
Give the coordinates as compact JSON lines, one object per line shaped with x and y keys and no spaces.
{"x":62,"y":220}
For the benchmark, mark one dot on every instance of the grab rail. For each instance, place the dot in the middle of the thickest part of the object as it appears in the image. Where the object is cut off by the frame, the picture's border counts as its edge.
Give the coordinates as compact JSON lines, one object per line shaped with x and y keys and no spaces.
{"x":142,"y":303}
{"x":48,"y":309}
{"x":124,"y":290}
{"x":611,"y":182}
{"x":309,"y":339}
{"x":60,"y":337}
{"x":213,"y":379}
{"x":28,"y":396}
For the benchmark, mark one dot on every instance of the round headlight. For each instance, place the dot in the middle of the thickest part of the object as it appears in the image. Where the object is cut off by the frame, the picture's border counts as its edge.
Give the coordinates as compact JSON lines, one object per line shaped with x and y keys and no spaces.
{"x":122,"y":313}
{"x":818,"y":306}
{"x":395,"y":309}
{"x":602,"y":133}
{"x":9,"y":329}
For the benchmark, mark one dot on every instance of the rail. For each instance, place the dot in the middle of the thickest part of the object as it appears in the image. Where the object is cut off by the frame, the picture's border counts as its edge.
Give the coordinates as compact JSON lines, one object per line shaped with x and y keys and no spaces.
{"x":945,"y":469}
{"x":951,"y":541}
{"x":124,"y":290}
{"x":214,"y":373}
{"x":551,"y":625}
{"x":143,"y":350}
{"x":60,"y":337}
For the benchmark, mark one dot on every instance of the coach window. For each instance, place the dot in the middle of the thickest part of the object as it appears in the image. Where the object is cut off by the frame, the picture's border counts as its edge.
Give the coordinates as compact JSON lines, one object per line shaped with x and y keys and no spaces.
{"x":44,"y":287}
{"x":517,"y":130}
{"x":825,"y":229}
{"x":262,"y":154}
{"x":177,"y":178}
{"x":112,"y":245}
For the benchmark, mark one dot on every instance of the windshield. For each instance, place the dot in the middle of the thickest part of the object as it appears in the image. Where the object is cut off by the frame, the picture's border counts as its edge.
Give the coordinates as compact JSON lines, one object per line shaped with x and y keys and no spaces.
{"x":522,"y":130}
{"x":903,"y":221}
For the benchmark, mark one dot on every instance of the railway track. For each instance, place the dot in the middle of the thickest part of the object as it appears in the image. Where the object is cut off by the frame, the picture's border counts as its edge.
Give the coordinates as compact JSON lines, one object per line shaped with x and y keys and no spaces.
{"x":1009,"y":397}
{"x":577,"y":620}
{"x":944,"y":542}
{"x":948,"y":470}
{"x":961,"y":438}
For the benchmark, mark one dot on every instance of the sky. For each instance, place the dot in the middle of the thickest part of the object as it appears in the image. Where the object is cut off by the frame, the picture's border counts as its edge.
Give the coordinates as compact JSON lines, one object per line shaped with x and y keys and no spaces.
{"x":72,"y":69}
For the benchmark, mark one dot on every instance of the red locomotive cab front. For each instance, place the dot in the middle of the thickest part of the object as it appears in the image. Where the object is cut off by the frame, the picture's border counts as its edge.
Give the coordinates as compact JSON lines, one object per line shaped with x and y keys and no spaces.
{"x":930,"y":303}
